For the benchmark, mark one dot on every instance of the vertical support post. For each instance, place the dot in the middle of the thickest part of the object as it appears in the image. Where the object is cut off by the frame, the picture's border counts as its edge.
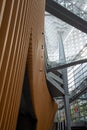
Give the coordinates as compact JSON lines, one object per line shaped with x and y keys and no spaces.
{"x":65,"y":80}
{"x":66,"y":99}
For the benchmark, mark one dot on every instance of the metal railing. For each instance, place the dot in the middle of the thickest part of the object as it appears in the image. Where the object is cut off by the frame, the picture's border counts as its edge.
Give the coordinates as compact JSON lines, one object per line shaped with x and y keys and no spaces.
{"x":77,"y":78}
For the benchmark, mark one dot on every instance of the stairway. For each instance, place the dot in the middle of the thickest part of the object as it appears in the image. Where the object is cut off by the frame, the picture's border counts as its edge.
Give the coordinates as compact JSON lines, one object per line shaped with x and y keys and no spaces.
{"x":55,"y":83}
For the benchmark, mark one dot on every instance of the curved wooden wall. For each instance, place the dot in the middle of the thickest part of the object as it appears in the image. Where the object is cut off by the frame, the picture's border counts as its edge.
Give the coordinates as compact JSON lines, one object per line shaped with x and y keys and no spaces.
{"x":44,"y":106}
{"x":21,"y":23}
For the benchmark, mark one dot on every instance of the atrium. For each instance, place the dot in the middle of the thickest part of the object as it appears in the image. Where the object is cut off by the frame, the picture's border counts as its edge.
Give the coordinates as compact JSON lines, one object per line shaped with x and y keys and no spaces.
{"x":71,"y":56}
{"x":43,"y":64}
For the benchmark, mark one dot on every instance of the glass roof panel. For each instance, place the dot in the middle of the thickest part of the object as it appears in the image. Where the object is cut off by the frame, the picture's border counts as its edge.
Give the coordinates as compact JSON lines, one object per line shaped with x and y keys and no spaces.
{"x":74,"y":41}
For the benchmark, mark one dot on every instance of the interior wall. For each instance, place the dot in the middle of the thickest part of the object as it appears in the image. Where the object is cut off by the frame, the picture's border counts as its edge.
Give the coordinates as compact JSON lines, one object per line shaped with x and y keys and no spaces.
{"x":20,"y":19}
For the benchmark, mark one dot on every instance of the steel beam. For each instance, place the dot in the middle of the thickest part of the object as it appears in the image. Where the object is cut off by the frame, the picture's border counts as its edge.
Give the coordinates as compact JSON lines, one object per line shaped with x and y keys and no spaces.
{"x":65,"y":15}
{"x":65,"y":83}
{"x":67,"y":65}
{"x":66,"y":100}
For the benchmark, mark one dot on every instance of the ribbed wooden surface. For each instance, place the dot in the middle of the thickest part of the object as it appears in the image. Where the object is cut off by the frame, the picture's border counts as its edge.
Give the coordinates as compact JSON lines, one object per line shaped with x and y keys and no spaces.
{"x":14,"y":42}
{"x":21,"y":24}
{"x":44,"y":106}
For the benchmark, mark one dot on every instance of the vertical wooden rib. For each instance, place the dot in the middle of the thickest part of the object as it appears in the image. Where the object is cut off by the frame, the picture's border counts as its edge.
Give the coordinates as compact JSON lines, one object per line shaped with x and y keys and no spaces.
{"x":2,"y":7}
{"x":10,"y":96}
{"x":14,"y":42}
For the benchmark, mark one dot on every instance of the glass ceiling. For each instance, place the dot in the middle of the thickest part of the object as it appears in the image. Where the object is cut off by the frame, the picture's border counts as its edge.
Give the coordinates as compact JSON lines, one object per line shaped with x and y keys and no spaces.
{"x":74,"y":41}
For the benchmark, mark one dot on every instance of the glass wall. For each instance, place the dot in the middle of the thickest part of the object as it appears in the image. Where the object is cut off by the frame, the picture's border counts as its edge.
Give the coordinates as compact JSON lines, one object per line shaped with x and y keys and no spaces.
{"x":79,"y":109}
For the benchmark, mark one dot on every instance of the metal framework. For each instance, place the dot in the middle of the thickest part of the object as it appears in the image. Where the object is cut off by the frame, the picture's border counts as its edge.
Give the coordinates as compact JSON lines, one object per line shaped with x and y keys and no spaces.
{"x":57,"y":10}
{"x":56,"y":82}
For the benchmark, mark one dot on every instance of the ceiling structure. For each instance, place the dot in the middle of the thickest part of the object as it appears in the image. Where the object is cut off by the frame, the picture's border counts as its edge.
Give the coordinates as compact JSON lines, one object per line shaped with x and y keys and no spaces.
{"x":73,"y":39}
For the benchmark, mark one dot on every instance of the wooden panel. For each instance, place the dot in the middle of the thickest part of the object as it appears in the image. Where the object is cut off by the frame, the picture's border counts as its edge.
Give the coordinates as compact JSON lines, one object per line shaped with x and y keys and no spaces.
{"x":14,"y":43}
{"x":44,"y":106}
{"x":21,"y":24}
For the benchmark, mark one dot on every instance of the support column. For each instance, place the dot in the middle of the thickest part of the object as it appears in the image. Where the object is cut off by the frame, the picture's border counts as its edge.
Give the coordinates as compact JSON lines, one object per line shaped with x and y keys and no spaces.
{"x":65,"y":81}
{"x":66,"y":100}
